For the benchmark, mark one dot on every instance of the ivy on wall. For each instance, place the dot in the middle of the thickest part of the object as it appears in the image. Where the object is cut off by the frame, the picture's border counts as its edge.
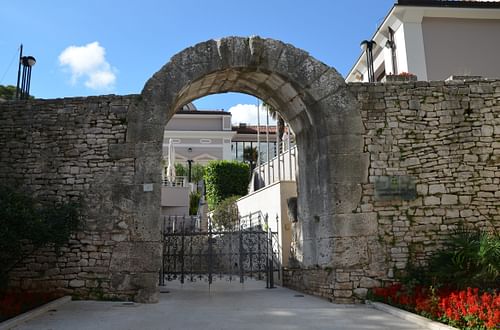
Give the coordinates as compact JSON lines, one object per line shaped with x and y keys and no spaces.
{"x":27,"y":225}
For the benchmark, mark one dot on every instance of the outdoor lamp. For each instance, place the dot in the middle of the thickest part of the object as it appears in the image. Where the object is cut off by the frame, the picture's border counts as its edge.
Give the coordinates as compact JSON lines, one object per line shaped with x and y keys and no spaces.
{"x":28,"y":61}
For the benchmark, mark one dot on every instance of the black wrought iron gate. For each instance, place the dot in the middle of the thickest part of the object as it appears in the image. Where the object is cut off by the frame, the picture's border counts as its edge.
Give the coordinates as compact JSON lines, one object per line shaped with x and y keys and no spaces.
{"x":193,"y":252}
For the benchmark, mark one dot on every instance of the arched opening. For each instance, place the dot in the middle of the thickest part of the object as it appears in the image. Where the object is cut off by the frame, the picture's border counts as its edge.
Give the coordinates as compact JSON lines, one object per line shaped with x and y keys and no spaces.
{"x":309,"y":95}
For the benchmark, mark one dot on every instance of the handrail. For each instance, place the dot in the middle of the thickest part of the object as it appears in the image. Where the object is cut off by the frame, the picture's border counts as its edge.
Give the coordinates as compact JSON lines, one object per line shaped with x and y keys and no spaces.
{"x":180,"y":181}
{"x":266,"y":172}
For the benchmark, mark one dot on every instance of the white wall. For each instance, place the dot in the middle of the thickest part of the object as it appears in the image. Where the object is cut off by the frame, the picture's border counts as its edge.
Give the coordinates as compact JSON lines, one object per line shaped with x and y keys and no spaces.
{"x":175,"y":200}
{"x":455,"y":46}
{"x":272,"y":200}
{"x":414,"y":50}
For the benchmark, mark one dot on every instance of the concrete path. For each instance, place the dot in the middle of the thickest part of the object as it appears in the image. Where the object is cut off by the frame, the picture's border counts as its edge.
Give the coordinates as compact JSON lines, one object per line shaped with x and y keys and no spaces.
{"x":226,"y":306}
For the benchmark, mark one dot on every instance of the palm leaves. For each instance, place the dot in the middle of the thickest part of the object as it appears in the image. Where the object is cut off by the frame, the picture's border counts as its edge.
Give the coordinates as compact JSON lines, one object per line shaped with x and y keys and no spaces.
{"x":276,"y":116}
{"x":472,"y":258}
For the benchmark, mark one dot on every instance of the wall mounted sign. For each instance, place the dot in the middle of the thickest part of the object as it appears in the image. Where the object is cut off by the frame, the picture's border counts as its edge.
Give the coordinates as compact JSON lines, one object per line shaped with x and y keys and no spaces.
{"x":395,"y":188}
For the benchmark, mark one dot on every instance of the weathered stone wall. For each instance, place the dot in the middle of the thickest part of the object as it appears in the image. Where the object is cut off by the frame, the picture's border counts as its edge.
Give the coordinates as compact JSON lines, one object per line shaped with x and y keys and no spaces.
{"x":104,"y":149}
{"x":61,"y":150}
{"x":447,"y":136}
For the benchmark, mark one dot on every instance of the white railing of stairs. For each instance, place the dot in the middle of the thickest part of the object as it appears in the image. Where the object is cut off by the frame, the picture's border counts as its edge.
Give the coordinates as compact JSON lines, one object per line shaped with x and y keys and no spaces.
{"x":281,"y":168}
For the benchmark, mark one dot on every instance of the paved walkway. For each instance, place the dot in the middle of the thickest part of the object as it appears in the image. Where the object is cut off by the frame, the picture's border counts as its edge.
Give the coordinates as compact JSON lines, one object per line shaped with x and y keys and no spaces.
{"x":226,"y":306}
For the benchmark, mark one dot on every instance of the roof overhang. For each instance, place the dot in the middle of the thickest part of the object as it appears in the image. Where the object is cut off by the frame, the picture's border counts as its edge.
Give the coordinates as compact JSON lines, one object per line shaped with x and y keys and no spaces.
{"x":400,"y":14}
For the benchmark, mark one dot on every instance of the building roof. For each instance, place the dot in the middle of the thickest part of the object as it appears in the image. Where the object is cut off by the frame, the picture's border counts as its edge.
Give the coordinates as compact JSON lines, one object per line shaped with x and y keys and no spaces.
{"x":203,"y":112}
{"x":449,"y":3}
{"x":252,"y":129}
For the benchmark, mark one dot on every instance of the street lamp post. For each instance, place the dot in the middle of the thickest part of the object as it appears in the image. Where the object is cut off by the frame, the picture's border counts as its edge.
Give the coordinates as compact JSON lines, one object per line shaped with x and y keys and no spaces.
{"x":367,"y":46}
{"x":190,"y":162}
{"x":24,"y":77}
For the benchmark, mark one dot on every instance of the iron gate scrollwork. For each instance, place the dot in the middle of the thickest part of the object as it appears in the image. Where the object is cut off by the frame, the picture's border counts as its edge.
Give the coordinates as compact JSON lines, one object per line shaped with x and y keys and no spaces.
{"x":196,"y":252}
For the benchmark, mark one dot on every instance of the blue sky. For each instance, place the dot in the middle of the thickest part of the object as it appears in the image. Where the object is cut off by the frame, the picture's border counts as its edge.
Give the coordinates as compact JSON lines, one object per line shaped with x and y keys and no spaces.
{"x":118,"y":45}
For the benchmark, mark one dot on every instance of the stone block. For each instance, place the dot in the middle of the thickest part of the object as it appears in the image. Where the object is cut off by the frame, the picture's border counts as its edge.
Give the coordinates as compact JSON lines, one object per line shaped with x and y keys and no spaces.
{"x":350,"y":252}
{"x":487,"y":130}
{"x":342,"y":277}
{"x":367,"y":282}
{"x":432,"y":200}
{"x":343,"y":286}
{"x":146,"y":285}
{"x":464,"y":199}
{"x":76,"y":283}
{"x":327,"y":83}
{"x":354,"y":225}
{"x":452,"y":213}
{"x":345,"y":143}
{"x":437,"y":189}
{"x":346,"y":197}
{"x":324,"y":251}
{"x":342,"y":293}
{"x":422,"y":189}
{"x":348,"y":168}
{"x":360,"y":293}
{"x":136,"y":257}
{"x":449,"y":199}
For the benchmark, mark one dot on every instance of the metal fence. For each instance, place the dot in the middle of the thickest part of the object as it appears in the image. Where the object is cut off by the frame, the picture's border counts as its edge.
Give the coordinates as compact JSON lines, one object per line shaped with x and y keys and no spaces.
{"x":193,"y":253}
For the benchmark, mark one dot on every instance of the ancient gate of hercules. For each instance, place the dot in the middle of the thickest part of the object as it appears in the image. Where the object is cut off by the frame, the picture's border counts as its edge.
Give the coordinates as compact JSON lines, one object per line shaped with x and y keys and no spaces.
{"x":309,"y":95}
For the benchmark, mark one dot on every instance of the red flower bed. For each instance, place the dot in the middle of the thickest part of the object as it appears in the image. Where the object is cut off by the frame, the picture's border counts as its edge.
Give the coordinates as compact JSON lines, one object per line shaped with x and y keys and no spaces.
{"x":15,"y":303}
{"x":467,"y":309}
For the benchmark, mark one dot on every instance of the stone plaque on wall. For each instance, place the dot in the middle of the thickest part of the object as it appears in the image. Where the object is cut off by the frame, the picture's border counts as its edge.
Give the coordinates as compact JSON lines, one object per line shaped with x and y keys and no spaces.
{"x":389,"y":188}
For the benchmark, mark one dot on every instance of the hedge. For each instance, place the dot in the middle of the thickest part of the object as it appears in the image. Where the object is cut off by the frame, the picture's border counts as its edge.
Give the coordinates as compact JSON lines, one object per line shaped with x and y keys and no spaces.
{"x":224,"y":179}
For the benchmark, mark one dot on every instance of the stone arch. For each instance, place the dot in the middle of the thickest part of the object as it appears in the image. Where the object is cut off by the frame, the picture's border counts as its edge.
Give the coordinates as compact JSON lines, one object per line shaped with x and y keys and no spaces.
{"x":311,"y":96}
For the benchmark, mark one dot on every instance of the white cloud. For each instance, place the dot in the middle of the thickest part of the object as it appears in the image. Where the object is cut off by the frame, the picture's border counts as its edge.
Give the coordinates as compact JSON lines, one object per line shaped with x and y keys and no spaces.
{"x":247,"y":113}
{"x":89,"y":62}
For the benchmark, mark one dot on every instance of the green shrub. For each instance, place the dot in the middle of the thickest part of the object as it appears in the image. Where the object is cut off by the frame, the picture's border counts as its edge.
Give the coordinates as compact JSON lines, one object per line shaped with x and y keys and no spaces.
{"x":224,"y":179}
{"x":225,"y":214}
{"x":27,"y":225}
{"x":194,"y":201}
{"x":471,"y":258}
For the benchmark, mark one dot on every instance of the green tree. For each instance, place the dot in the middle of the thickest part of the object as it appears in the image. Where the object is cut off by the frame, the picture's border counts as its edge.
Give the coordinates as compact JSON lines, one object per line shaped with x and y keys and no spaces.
{"x":7,"y":92}
{"x":197,"y":172}
{"x":225,"y":215}
{"x":250,"y":156}
{"x":194,"y":201}
{"x":280,"y":121}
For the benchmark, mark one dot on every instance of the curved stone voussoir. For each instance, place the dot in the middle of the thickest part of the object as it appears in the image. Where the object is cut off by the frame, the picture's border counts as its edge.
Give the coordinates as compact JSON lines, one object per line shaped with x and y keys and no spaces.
{"x":340,"y":113}
{"x":234,"y":52}
{"x":327,"y":83}
{"x":199,"y":60}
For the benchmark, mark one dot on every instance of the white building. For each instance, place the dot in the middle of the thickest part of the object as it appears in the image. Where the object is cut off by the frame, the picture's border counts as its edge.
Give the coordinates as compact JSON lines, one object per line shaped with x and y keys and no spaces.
{"x":435,"y":40}
{"x":200,"y":136}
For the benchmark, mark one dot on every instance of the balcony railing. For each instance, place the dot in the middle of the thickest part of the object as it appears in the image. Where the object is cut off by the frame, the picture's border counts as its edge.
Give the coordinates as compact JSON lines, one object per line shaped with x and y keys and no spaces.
{"x":180,"y":181}
{"x":281,"y":168}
